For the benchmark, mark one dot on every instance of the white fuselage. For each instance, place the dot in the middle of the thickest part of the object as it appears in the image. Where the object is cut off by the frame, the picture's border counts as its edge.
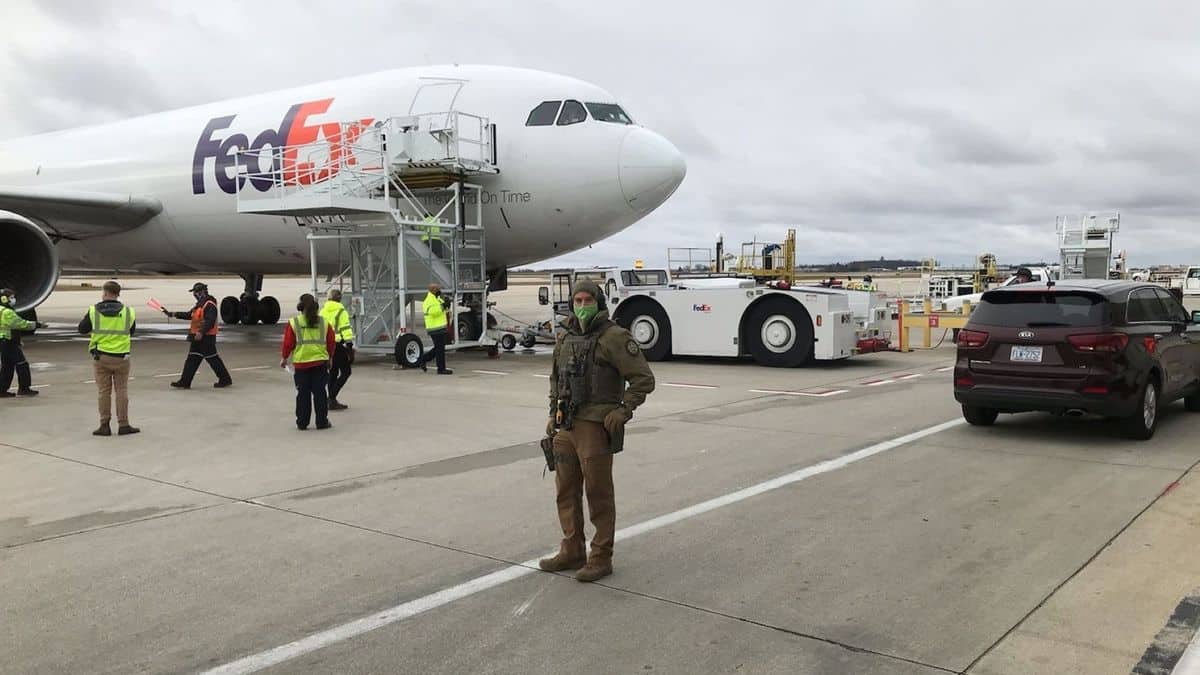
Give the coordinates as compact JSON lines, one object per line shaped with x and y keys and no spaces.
{"x":560,"y":187}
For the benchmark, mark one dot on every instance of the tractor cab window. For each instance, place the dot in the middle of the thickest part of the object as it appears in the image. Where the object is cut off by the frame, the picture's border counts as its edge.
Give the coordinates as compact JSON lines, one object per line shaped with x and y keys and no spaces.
{"x":644,"y":277}
{"x":543,"y":115}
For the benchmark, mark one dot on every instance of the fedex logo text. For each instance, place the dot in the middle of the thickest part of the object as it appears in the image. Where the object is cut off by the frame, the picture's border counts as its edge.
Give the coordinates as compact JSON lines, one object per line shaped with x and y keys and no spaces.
{"x":702,"y":308}
{"x":294,"y":130}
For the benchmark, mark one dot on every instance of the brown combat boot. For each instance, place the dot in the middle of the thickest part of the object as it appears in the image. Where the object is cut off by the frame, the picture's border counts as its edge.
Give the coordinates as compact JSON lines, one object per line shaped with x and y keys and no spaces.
{"x":562,"y":561}
{"x":594,"y":571}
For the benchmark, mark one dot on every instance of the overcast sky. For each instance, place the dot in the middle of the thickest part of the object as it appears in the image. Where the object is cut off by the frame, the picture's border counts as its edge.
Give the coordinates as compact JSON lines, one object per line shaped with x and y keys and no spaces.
{"x":876,"y":127}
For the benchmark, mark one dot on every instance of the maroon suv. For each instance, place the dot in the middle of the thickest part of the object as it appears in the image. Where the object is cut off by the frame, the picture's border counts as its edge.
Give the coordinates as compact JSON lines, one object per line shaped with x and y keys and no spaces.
{"x":1120,"y":349}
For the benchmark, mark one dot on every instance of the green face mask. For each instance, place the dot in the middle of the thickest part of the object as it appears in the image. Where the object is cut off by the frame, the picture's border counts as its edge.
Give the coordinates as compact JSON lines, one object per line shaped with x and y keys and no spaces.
{"x":585,"y":314}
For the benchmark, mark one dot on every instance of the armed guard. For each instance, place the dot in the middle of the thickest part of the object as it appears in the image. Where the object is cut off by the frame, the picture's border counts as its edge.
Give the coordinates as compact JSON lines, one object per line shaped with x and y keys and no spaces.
{"x":598,"y":378}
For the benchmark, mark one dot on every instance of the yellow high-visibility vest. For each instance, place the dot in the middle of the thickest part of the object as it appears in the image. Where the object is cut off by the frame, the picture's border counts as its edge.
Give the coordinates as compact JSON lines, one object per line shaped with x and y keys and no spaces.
{"x":337,"y":316}
{"x":435,"y":314}
{"x":310,"y":340}
{"x":111,"y":334}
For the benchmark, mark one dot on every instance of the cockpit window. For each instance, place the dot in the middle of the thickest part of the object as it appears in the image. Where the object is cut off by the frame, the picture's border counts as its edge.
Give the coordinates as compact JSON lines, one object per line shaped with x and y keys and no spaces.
{"x":608,"y":112}
{"x":572,"y":113}
{"x":543,"y":115}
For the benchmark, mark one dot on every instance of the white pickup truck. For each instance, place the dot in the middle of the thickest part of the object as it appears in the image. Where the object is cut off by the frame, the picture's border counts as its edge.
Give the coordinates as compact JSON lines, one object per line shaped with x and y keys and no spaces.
{"x":1191,"y":281}
{"x":1040,"y":275}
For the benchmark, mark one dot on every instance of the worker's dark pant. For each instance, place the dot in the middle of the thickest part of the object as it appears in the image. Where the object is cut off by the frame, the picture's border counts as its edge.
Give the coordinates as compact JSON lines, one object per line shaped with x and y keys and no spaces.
{"x":12,"y":359}
{"x":310,"y":393}
{"x":439,"y":349}
{"x":339,"y":372}
{"x":203,"y":349}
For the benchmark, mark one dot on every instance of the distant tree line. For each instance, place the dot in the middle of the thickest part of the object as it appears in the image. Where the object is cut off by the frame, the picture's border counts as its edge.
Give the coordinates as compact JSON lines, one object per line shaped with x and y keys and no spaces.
{"x":861,"y":265}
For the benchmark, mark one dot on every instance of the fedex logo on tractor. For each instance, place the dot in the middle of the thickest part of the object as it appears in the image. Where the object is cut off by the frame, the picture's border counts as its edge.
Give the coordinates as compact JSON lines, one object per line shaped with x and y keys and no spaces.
{"x":293,"y":131}
{"x":705,"y":308}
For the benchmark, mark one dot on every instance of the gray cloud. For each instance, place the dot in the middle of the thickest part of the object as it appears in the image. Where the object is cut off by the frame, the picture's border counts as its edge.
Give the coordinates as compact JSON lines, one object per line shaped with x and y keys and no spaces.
{"x":901,"y":128}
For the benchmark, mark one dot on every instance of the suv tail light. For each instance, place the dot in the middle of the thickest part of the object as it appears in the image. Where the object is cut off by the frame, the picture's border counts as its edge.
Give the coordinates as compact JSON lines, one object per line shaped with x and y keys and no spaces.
{"x":972,"y":339}
{"x":1099,"y":342}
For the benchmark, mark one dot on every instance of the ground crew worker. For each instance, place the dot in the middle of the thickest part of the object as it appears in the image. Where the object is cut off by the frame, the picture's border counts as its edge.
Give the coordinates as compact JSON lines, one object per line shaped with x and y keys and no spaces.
{"x":12,"y":359}
{"x":111,"y":325}
{"x":338,"y":318}
{"x":590,"y":404}
{"x":202,"y":339}
{"x":431,"y":236}
{"x":308,"y":339}
{"x":437,"y":325}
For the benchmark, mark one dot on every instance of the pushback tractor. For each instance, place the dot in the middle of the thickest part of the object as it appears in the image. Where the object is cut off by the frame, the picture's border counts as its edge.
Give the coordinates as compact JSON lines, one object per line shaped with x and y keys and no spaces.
{"x":777,"y":324}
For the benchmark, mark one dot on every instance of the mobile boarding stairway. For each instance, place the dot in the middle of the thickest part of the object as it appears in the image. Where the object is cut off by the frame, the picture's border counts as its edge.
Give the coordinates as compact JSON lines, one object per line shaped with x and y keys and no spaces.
{"x":396,"y":205}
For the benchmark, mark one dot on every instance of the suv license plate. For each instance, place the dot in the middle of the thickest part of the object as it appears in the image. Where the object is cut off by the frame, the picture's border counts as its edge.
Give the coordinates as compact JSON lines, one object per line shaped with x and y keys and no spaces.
{"x":1026,"y":354}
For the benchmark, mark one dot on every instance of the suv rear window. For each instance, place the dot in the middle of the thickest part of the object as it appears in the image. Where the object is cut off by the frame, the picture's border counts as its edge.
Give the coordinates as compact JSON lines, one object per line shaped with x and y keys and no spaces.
{"x":1030,"y":309}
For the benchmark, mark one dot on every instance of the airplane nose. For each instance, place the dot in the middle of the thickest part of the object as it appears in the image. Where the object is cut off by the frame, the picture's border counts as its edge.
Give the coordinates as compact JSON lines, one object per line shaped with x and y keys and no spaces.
{"x":651,"y":168}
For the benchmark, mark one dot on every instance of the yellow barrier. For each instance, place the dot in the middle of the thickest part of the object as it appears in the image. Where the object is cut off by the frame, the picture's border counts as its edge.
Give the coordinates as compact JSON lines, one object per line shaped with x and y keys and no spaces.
{"x":928,"y":321}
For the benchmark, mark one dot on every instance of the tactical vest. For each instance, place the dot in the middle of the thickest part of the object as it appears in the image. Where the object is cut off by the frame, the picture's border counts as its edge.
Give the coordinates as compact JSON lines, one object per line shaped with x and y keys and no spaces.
{"x":310,"y":341}
{"x":110,"y":334}
{"x":583,"y":379}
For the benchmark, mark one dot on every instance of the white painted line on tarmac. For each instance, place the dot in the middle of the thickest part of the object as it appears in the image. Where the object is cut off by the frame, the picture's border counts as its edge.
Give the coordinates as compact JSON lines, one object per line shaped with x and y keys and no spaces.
{"x":167,"y":375}
{"x":1189,"y":663}
{"x":248,"y":368}
{"x":910,"y":377}
{"x":544,"y":377}
{"x":683,"y":385}
{"x":942,"y":370}
{"x":876,"y":383}
{"x":489,"y":372}
{"x":38,"y":386}
{"x":406,"y":610}
{"x":815,"y":394}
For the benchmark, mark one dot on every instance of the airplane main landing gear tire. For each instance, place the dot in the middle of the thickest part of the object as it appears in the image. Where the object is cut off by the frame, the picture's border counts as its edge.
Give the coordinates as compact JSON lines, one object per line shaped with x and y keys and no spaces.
{"x":509,"y":342}
{"x":230,"y":310}
{"x":270,"y":311}
{"x":249,"y":311}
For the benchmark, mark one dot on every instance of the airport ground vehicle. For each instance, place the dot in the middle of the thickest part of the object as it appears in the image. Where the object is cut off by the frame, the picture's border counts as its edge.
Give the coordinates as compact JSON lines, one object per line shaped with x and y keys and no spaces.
{"x":1120,"y":349}
{"x":1040,"y":275}
{"x":1191,"y":281}
{"x":776,"y":324}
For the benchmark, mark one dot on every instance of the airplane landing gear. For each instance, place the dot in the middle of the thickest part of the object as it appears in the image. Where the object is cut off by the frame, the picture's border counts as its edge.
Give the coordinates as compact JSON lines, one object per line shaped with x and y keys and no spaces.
{"x":249,"y":309}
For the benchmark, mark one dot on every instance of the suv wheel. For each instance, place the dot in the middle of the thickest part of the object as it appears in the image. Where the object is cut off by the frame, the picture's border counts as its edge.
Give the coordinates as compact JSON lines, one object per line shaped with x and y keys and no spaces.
{"x":980,"y":417}
{"x":1142,"y":423}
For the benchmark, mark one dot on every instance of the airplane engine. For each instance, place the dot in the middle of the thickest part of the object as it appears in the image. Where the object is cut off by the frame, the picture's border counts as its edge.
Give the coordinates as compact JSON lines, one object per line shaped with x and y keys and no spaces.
{"x":28,"y":260}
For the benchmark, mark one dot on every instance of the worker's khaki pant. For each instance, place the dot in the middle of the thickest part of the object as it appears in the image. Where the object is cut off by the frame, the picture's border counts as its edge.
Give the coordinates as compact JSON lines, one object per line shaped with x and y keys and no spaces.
{"x":584,"y":465}
{"x":112,"y":373}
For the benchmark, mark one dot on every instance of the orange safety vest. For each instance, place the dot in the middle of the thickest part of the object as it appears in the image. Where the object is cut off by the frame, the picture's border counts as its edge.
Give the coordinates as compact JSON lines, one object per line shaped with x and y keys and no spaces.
{"x":198,"y":319}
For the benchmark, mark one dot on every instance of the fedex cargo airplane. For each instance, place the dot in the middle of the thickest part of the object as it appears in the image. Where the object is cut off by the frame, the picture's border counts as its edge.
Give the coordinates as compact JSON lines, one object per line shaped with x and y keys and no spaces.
{"x":157,"y":193}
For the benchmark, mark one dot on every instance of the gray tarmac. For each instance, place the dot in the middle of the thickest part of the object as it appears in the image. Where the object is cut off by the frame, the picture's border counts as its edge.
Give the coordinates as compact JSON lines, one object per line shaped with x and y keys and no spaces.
{"x":220,"y":532}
